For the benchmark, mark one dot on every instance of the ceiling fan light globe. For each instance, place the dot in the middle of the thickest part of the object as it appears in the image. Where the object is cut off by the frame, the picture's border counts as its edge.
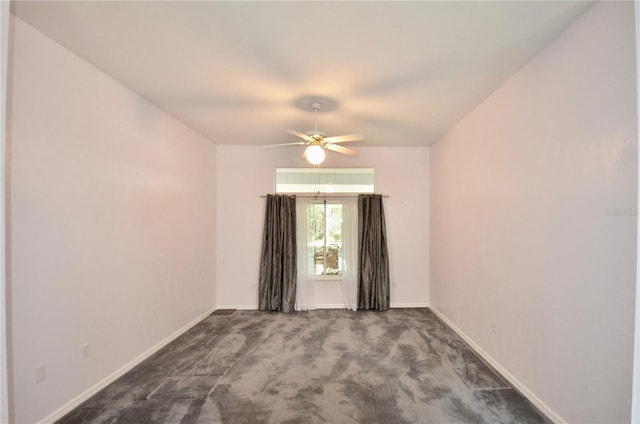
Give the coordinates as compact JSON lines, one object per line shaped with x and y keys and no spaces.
{"x":315,"y":155}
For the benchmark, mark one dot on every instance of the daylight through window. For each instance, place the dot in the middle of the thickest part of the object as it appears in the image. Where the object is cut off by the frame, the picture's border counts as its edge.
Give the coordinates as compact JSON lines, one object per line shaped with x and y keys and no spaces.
{"x":326,"y":236}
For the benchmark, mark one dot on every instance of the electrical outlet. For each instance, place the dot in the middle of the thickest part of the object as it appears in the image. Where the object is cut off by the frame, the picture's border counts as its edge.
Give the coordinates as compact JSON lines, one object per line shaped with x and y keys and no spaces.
{"x":494,"y":327}
{"x":41,"y":373}
{"x":85,"y":350}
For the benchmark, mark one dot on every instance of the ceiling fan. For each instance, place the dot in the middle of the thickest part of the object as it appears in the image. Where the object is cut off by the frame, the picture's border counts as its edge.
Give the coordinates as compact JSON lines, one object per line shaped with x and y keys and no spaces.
{"x":316,"y":141}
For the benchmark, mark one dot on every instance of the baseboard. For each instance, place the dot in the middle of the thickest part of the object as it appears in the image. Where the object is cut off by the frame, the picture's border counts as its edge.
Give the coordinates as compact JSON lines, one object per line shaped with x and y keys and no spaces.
{"x":552,"y":415}
{"x":78,"y":400}
{"x":331,"y":306}
{"x":409,"y":305}
{"x":255,"y":307}
{"x":324,"y":306}
{"x":239,"y":307}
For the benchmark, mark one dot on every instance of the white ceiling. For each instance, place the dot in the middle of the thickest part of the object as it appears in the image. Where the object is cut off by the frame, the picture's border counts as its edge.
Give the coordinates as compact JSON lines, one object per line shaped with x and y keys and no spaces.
{"x":401,"y":73}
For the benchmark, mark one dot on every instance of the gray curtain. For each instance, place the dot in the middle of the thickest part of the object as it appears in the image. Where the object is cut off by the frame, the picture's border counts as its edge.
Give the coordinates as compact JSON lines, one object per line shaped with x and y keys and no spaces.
{"x":373,"y":257}
{"x":277,"y":283}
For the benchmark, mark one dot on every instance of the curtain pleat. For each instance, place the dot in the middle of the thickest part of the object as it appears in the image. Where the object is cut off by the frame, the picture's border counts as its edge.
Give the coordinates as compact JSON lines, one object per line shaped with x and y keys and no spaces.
{"x":277,"y":281}
{"x":373,"y":257}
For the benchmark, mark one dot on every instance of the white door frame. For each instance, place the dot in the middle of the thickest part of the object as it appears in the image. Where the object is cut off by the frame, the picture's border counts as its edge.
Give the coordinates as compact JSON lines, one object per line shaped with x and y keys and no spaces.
{"x":4,"y":47}
{"x":635,"y":399}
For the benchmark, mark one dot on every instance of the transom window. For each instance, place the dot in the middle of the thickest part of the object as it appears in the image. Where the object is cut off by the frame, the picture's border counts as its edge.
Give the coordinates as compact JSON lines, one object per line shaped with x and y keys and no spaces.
{"x":324,"y":180}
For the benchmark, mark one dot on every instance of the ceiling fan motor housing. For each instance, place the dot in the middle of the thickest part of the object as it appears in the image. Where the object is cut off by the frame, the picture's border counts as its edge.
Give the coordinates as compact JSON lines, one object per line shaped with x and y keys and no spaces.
{"x":318,"y":137}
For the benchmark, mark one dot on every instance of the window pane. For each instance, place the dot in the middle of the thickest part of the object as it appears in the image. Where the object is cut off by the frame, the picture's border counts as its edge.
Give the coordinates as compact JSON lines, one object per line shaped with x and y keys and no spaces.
{"x":334,"y":237}
{"x":326,"y":237}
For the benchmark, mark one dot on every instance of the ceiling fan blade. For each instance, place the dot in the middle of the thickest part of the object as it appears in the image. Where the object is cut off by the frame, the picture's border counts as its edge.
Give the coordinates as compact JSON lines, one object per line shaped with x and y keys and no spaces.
{"x":297,"y":143}
{"x":301,"y":135}
{"x":344,"y":138}
{"x":340,"y":149}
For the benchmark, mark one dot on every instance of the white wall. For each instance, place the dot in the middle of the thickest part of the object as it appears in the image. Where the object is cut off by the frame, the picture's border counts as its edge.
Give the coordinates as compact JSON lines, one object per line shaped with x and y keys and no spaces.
{"x":533,"y":204}
{"x":111,"y":225}
{"x":247,"y":172}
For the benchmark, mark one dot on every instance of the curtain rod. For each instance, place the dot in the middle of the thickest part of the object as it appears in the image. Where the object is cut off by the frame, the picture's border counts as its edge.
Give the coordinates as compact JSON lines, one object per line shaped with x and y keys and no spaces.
{"x":324,"y":195}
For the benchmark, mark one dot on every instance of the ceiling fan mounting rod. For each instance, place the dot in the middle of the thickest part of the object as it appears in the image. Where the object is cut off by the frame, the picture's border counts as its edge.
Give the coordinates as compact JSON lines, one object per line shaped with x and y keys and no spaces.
{"x":315,"y":106}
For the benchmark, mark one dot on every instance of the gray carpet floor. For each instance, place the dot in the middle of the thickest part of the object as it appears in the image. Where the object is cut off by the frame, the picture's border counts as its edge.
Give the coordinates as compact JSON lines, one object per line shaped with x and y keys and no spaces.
{"x":326,"y":366}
